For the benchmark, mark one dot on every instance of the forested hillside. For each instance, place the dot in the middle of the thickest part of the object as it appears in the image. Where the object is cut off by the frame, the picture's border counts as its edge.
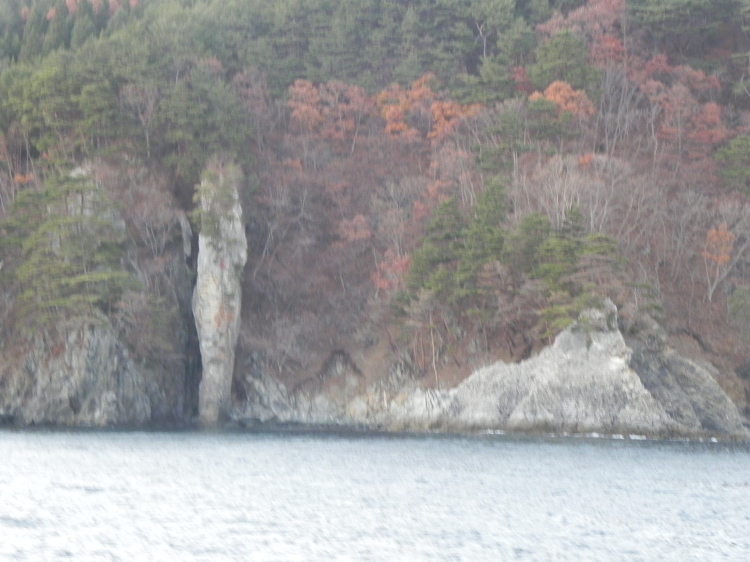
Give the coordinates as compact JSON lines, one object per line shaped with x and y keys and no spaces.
{"x":436,"y":182}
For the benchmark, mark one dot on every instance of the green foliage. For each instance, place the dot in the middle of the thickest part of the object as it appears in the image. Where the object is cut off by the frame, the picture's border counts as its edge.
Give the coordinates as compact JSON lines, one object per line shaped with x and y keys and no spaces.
{"x":483,"y":237}
{"x":83,"y":28}
{"x":33,"y":33}
{"x":564,"y":58}
{"x":738,"y":307}
{"x":538,"y":11}
{"x":682,"y":27}
{"x":70,"y":251}
{"x":506,"y":41}
{"x":433,"y":263}
{"x":449,"y":263}
{"x":558,"y":256}
{"x":735,"y":163}
{"x":11,"y":31}
{"x":574,"y":268}
{"x":544,"y":123}
{"x":523,"y":243}
{"x":155,"y":83}
{"x":215,"y":195}
{"x":202,"y":116}
{"x":58,"y":31}
{"x":560,"y":312}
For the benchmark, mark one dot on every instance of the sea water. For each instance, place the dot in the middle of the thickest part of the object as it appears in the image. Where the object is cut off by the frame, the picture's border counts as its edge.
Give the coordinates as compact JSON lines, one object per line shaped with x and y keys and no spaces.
{"x":309,"y":497}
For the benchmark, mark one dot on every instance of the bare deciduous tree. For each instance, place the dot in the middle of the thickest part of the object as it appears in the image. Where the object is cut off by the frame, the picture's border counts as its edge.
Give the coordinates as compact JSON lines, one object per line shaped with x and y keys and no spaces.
{"x":142,"y":101}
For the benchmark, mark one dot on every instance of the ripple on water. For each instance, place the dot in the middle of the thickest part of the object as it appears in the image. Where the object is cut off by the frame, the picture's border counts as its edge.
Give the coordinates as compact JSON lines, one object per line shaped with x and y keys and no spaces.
{"x":201,"y":496}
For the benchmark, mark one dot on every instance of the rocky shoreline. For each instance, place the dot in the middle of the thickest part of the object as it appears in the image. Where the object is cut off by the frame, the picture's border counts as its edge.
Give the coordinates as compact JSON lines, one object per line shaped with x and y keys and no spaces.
{"x":589,"y":381}
{"x":592,"y":380}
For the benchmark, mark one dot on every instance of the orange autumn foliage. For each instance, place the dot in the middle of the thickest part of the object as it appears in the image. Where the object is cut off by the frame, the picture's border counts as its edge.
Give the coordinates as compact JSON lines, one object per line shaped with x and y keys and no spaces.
{"x":719,"y":245}
{"x":446,"y":115}
{"x":304,"y":102}
{"x":396,"y":104}
{"x":568,"y":99}
{"x":22,"y":179}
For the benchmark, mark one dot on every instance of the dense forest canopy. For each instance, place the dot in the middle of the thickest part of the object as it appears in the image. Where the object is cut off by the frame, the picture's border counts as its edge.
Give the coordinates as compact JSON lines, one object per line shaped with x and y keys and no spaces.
{"x":472,"y":172}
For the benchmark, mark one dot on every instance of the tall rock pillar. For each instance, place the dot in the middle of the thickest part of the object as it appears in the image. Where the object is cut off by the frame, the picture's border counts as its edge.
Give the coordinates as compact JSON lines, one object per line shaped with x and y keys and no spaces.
{"x":217,"y":299}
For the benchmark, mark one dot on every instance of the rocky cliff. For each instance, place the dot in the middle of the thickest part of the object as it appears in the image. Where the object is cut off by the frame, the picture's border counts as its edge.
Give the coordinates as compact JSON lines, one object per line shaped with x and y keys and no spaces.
{"x":84,"y":377}
{"x":590,"y":380}
{"x":222,"y":252}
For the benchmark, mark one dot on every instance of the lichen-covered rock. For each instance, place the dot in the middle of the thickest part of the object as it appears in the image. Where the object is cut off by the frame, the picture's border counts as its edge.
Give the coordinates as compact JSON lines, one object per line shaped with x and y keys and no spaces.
{"x":84,"y":378}
{"x":222,"y":253}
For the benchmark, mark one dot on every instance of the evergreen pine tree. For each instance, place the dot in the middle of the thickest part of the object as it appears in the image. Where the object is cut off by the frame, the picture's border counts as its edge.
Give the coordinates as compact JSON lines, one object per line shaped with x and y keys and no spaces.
{"x":483,"y":238}
{"x":433,"y":263}
{"x":58,"y":31}
{"x":735,"y":159}
{"x":84,"y":26}
{"x":70,"y":251}
{"x":33,"y":33}
{"x":563,"y":57}
{"x":522,"y":245}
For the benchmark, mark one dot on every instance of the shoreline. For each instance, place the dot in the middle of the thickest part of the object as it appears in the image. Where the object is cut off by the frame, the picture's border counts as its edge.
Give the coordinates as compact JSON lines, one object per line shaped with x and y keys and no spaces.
{"x":341,"y":431}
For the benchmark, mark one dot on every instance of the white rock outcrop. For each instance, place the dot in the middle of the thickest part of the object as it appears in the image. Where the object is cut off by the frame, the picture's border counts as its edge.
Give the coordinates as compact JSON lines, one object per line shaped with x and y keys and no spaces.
{"x":217,"y":298}
{"x":583,"y":383}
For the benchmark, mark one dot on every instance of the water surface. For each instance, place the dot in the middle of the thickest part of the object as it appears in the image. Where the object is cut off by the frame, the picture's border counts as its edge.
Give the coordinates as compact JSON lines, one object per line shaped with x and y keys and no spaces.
{"x":308,"y":497}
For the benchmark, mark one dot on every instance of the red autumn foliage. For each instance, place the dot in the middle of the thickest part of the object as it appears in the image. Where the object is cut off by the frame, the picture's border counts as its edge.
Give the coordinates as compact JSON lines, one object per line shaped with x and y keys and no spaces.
{"x":707,"y":127}
{"x":606,"y":50}
{"x":590,"y":21}
{"x":521,"y":80}
{"x":304,"y":102}
{"x":356,"y":229}
{"x":390,"y":273}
